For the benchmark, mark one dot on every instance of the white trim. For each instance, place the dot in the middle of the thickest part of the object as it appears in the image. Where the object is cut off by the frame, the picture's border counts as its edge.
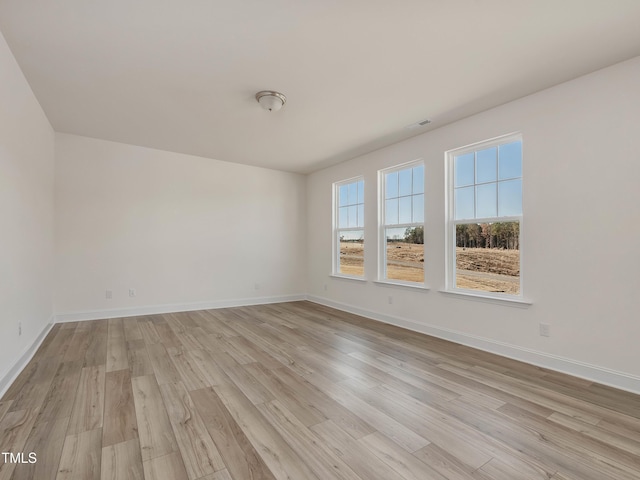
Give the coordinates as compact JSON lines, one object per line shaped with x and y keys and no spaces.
{"x":398,"y":283}
{"x":172,"y":308}
{"x":451,"y":221}
{"x":511,"y":300}
{"x":342,"y":276}
{"x":605,"y":376}
{"x":7,"y":379}
{"x":402,"y":166}
{"x":335,"y":228}
{"x":495,"y":141}
{"x":382,"y":214}
{"x":467,"y":221}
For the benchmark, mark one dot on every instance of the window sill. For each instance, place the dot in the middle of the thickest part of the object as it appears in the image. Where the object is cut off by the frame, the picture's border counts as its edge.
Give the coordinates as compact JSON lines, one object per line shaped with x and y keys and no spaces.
{"x":415,"y":286}
{"x":346,"y":277}
{"x":477,"y":297}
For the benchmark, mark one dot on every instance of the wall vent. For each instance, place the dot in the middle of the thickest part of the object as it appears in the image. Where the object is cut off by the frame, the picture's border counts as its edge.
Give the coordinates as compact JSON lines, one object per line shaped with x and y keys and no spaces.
{"x":419,"y":124}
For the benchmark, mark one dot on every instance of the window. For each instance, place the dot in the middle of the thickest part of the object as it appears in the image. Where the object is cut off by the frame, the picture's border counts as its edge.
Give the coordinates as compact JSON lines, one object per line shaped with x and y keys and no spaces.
{"x":402,"y":223}
{"x":485,"y":217}
{"x":349,"y":228}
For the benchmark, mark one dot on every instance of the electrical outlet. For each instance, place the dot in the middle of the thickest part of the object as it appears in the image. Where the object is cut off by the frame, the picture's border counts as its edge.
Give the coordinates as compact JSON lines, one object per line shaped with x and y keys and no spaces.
{"x":108,"y":294}
{"x":256,"y":286}
{"x":132,"y":292}
{"x":390,"y":300}
{"x":545,"y":330}
{"x":325,"y":287}
{"x":19,"y":328}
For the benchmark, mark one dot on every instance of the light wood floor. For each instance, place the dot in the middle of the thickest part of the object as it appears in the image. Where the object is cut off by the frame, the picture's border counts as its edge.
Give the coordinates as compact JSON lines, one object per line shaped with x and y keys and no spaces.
{"x":300,"y":391}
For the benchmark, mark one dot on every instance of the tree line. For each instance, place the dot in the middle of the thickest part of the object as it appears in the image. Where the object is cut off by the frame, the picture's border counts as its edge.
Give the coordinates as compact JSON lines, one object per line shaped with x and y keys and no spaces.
{"x":414,"y":235}
{"x":504,"y":235}
{"x":489,"y":235}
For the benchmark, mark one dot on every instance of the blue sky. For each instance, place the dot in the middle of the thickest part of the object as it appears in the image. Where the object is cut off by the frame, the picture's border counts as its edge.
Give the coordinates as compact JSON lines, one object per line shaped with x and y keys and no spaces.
{"x":404,"y":196}
{"x":351,"y":205}
{"x":488,"y":182}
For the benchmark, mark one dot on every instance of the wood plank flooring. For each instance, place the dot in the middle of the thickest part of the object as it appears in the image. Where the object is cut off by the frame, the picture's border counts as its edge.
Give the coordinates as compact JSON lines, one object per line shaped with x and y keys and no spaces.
{"x":300,"y":391}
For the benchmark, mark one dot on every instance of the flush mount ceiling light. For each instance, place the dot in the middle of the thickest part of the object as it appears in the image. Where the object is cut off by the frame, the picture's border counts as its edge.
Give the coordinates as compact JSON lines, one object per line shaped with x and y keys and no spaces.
{"x":269,"y":100}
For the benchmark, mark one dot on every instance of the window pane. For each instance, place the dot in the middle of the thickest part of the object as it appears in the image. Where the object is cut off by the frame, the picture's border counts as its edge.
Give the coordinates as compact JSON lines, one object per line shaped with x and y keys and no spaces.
{"x":404,"y":178}
{"x":487,"y":165}
{"x":418,"y":209}
{"x":510,"y":161}
{"x":343,"y":195}
{"x":510,"y":198}
{"x":464,"y":203}
{"x":391,"y":185}
{"x":353,"y":216}
{"x":353,"y":193}
{"x":418,"y":179}
{"x":463,"y":166}
{"x":391,"y":212}
{"x":360,"y":216}
{"x":343,"y":220}
{"x":486,"y":200}
{"x":361,"y":191}
{"x":488,"y":257}
{"x":352,"y":252}
{"x":405,"y":210}
{"x":404,"y":256}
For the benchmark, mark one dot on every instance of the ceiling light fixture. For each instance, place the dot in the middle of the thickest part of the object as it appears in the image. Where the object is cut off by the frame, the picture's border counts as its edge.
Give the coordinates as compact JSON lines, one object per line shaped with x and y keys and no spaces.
{"x":272,"y":101}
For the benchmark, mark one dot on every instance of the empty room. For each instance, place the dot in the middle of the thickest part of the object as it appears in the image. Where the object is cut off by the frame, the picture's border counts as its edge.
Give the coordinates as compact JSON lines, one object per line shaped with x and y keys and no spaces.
{"x":319,"y":240}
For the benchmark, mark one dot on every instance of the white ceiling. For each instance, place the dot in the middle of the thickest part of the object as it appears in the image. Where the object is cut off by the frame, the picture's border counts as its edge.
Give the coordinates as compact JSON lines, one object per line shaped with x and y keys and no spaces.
{"x":181,"y":75}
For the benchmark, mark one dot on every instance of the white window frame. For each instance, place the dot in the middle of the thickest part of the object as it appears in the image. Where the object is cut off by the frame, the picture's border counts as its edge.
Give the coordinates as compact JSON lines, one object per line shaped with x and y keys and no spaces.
{"x":450,"y":230}
{"x":382,"y":226}
{"x":335,"y":271}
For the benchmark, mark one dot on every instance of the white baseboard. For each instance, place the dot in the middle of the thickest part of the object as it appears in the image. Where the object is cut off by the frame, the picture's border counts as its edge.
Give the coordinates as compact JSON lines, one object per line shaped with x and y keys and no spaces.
{"x":14,"y":370}
{"x":172,"y":308}
{"x":605,"y":376}
{"x":612,"y":378}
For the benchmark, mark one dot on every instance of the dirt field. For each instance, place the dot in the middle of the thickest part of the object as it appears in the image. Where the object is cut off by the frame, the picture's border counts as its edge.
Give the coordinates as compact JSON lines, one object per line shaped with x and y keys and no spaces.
{"x":404,"y":261}
{"x":352,"y":258}
{"x":489,"y":260}
{"x":488,"y":270}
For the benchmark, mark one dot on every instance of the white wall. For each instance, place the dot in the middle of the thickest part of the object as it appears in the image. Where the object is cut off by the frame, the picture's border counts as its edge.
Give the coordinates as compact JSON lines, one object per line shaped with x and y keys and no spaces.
{"x":176,"y":228}
{"x":26,"y":215}
{"x":182,"y":230}
{"x":581,"y":182}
